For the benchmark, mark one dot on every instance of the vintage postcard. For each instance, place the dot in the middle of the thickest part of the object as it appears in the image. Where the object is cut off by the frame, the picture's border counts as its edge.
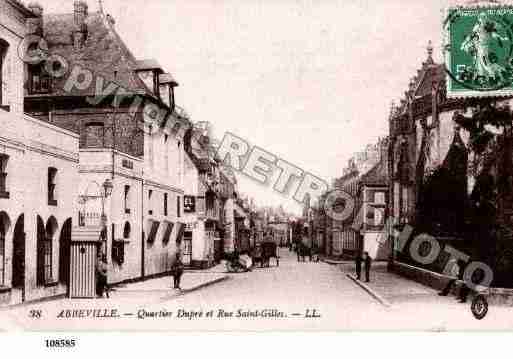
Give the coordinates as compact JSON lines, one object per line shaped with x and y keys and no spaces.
{"x":341,"y":165}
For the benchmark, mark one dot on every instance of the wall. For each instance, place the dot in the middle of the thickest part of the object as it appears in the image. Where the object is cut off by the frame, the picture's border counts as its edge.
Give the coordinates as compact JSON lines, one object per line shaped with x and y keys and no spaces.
{"x":95,"y":168}
{"x":35,"y":147}
{"x":164,"y":169}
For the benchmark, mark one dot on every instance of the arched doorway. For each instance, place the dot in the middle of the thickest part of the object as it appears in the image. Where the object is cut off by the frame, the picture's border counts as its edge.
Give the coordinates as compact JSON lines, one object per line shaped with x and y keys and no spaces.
{"x":64,"y":252}
{"x":5,"y":224}
{"x":18,"y":256}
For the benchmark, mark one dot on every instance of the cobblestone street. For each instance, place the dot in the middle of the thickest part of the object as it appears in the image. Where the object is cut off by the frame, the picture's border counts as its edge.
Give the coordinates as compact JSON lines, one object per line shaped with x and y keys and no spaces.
{"x":294,"y":296}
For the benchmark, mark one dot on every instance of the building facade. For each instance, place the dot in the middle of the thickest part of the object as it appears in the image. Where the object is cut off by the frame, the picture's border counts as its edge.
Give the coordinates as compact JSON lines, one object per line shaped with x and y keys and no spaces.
{"x":38,"y":179}
{"x":124,"y":111}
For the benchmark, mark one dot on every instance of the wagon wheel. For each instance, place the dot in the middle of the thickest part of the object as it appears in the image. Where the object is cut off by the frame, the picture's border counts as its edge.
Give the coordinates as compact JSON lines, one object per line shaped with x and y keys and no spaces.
{"x":479,"y":307}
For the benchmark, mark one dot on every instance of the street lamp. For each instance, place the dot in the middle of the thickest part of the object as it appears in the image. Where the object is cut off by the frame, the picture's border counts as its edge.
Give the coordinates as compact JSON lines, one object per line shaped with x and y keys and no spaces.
{"x":107,"y":192}
{"x":107,"y":188}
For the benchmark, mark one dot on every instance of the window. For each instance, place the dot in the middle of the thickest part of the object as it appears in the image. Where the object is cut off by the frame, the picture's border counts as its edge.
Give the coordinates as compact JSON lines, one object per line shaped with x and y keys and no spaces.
{"x":94,"y":135}
{"x":404,"y":206}
{"x":39,"y":80}
{"x":118,"y":246}
{"x":47,"y":250}
{"x":127,"y":199}
{"x":3,"y":52}
{"x":52,"y":176}
{"x":2,"y":251}
{"x":165,"y":204}
{"x":150,"y":205}
{"x":3,"y":176}
{"x":166,"y":153}
{"x":44,"y":251}
{"x":178,"y":206}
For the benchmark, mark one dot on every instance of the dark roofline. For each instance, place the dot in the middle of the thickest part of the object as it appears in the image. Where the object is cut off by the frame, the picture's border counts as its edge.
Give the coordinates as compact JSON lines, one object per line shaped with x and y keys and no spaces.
{"x":148,"y":64}
{"x":22,"y":8}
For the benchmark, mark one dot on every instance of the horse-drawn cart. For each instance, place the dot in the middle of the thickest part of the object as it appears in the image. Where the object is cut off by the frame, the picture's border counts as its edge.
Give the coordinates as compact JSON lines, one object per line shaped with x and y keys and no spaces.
{"x":263,"y":253}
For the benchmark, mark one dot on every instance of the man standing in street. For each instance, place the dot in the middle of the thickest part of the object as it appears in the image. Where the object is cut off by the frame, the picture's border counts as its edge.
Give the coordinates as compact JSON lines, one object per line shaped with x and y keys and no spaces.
{"x":358,"y":261}
{"x":177,"y":271}
{"x":368,"y":262}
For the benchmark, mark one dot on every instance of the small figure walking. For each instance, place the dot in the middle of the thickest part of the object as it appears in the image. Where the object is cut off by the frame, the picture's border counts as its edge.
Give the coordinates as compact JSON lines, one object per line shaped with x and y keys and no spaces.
{"x":358,"y":262}
{"x":177,"y":271}
{"x":101,"y":277}
{"x":367,"y":260}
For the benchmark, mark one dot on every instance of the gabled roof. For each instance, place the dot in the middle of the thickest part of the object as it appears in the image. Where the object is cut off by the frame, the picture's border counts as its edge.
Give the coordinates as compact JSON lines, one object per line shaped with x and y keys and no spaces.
{"x":377,"y":176}
{"x":433,"y":74}
{"x":104,"y":53}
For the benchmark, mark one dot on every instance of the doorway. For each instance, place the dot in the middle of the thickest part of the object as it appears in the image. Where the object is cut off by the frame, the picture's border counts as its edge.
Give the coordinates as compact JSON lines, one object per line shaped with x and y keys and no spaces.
{"x":64,"y":253}
{"x":18,"y":258}
{"x":187,"y":248}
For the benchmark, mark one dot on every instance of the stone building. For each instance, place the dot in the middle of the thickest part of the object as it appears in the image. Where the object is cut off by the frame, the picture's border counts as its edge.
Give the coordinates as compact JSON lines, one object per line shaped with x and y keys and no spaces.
{"x":341,"y":236}
{"x":208,"y":227}
{"x":372,"y":204}
{"x":38,"y":181}
{"x":450,"y":173}
{"x":124,"y":111}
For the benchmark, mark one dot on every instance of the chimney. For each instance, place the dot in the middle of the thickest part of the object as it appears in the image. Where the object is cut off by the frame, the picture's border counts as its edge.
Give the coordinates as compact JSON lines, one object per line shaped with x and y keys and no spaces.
{"x":35,"y":24}
{"x":80,"y":29}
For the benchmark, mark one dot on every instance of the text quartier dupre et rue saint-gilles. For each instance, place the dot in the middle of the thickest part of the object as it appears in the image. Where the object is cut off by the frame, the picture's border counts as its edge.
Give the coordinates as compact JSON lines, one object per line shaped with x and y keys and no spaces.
{"x":180,"y":314}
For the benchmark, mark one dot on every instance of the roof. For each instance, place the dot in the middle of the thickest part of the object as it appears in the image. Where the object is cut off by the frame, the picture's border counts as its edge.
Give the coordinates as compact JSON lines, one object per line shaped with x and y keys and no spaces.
{"x":104,"y":53}
{"x":148,"y":64}
{"x":22,"y":8}
{"x":167,"y":79}
{"x":377,"y":176}
{"x":432,"y":74}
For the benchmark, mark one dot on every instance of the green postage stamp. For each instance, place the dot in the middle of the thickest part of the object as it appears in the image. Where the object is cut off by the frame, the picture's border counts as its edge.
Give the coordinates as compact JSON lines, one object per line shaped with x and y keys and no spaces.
{"x":479,"y":51}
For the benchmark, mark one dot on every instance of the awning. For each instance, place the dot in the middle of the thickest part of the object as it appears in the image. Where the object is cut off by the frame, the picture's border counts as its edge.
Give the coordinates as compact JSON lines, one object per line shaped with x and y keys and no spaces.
{"x":153,"y":230}
{"x":167,"y":233}
{"x":358,"y":221}
{"x":181,"y":230}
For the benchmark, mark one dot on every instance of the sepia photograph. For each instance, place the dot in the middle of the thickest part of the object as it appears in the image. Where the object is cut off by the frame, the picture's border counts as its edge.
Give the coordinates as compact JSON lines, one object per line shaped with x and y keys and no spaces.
{"x":256,"y":166}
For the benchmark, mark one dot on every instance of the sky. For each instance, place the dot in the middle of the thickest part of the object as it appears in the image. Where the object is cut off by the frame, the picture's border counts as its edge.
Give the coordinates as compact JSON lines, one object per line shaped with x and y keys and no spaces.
{"x":308,"y":81}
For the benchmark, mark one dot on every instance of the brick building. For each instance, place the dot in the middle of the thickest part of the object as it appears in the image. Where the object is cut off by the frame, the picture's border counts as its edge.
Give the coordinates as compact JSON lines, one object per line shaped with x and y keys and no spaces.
{"x":124,"y":111}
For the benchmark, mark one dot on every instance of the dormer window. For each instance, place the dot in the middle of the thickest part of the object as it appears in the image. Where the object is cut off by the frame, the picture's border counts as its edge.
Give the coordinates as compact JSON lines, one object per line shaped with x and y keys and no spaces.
{"x":167,"y":86}
{"x":149,"y":72}
{"x":39,"y":80}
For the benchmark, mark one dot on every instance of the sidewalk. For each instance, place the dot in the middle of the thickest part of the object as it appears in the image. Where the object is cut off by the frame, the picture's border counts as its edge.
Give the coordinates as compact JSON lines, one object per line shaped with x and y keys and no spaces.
{"x":191,"y":281}
{"x":390,"y":288}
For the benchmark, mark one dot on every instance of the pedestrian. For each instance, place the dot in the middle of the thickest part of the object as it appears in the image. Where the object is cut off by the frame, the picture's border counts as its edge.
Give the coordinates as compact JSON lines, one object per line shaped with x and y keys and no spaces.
{"x":358,"y":262}
{"x":177,"y":271}
{"x":367,"y":260}
{"x":457,"y":271}
{"x":101,"y":277}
